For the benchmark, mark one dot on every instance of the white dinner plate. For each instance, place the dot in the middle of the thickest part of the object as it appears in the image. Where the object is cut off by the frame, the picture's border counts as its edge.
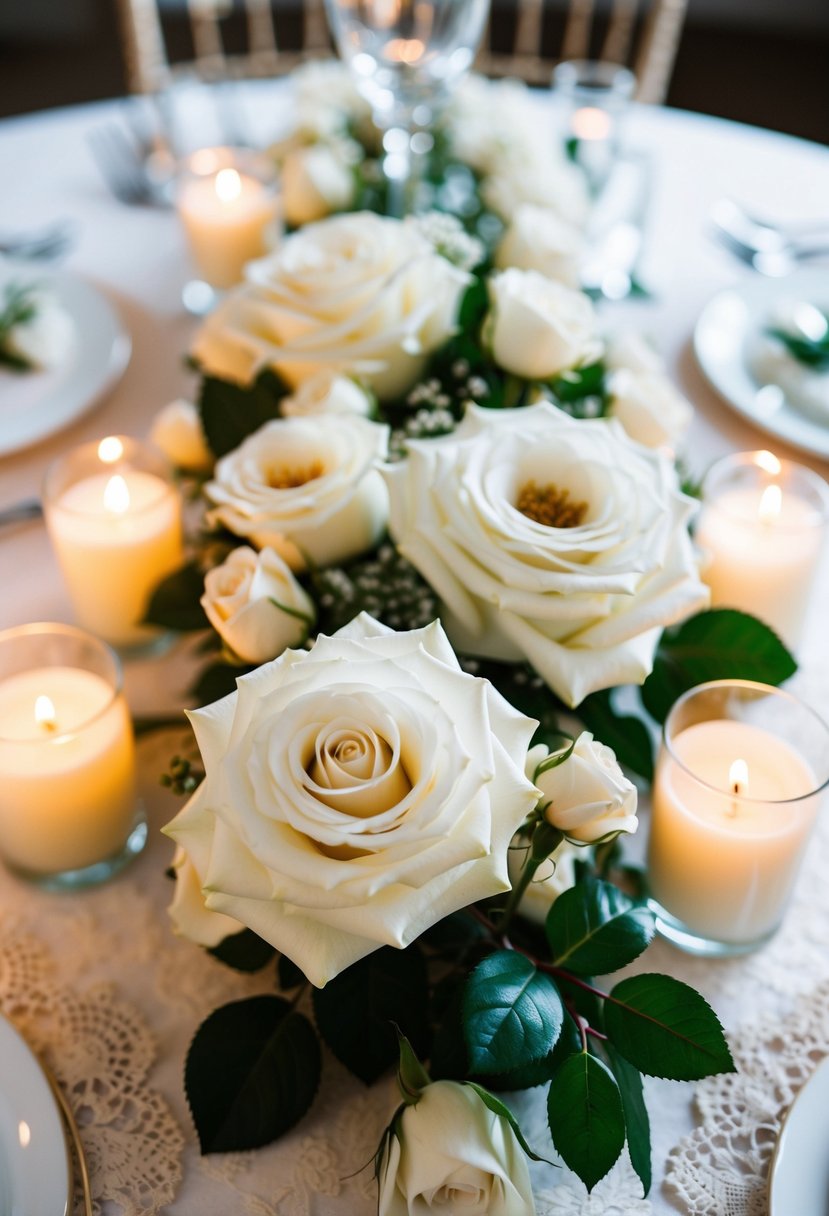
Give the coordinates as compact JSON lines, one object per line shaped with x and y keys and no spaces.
{"x":799,"y":1177}
{"x":35,"y":404}
{"x":726,"y":338}
{"x":34,"y":1160}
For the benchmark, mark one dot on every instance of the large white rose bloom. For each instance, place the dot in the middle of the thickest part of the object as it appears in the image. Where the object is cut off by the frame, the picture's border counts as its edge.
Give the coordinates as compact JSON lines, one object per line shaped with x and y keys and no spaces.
{"x":556,"y":540}
{"x":307,"y":486}
{"x":360,"y":294}
{"x":450,"y":1153}
{"x":355,"y":794}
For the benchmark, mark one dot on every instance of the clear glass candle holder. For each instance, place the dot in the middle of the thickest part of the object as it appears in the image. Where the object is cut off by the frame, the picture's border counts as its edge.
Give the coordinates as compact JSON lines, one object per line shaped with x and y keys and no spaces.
{"x":738,"y":783}
{"x":113,"y":513}
{"x":594,"y":96}
{"x":68,"y":810}
{"x":761,"y":531}
{"x":228,"y":203}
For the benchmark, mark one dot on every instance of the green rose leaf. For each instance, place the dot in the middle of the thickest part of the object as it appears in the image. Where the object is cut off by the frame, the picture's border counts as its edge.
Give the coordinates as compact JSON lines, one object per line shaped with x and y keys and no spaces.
{"x":288,"y":974}
{"x":251,"y":1073}
{"x":628,"y":736}
{"x":174,"y":604}
{"x":215,"y":681}
{"x":722,"y":644}
{"x":594,"y":928}
{"x":230,"y":412}
{"x":244,"y":951}
{"x":587,"y":1122}
{"x":540,"y":1072}
{"x":666,"y":1029}
{"x":358,"y":1010}
{"x":512,"y":1013}
{"x":637,"y":1124}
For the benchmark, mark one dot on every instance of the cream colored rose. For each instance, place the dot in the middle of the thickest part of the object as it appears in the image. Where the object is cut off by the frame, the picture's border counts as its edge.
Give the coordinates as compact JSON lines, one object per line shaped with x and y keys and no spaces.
{"x":538,"y":239}
{"x":450,"y":1153}
{"x":354,"y":795}
{"x":256,"y":605}
{"x":650,"y":409}
{"x":556,"y":540}
{"x":315,"y":182}
{"x":308,"y":487}
{"x":326,"y":393}
{"x":552,"y":878}
{"x":358,"y":294}
{"x":537,"y":328}
{"x":177,"y":432}
{"x":537,"y":176}
{"x":188,"y":912}
{"x":589,"y":797}
{"x":326,"y":99}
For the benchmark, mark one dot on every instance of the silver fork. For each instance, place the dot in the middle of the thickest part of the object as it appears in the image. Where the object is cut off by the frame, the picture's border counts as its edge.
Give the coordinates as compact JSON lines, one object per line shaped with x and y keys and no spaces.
{"x":768,"y":248}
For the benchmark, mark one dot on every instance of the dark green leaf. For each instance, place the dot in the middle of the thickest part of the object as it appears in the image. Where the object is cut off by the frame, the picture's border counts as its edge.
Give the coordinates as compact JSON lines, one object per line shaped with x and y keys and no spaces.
{"x":637,"y":1124}
{"x":358,"y":1010}
{"x":539,"y":1072}
{"x":666,"y":1029}
{"x":453,"y":932}
{"x":813,"y":352}
{"x":174,"y":604}
{"x":595,"y":928}
{"x":245,"y":951}
{"x":587,"y":1123}
{"x":289,"y":974}
{"x":512,"y":1013}
{"x":449,"y":1059}
{"x":722,"y":644}
{"x":628,"y":736}
{"x":215,"y":682}
{"x":251,"y":1073}
{"x":412,"y":1077}
{"x":498,"y":1108}
{"x":231,"y":412}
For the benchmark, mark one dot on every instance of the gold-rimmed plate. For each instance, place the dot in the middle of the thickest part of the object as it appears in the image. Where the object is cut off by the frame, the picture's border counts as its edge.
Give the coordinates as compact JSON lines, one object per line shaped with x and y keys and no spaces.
{"x":799,"y":1175}
{"x":34,"y":1159}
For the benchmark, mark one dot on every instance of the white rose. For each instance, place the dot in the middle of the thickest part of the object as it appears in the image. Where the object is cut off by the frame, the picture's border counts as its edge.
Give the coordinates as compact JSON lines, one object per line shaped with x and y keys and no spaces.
{"x":552,"y":878}
{"x":177,"y":432}
{"x":315,"y":182}
{"x":590,"y":798}
{"x":539,"y":177}
{"x":327,"y":393}
{"x":305,"y":486}
{"x":450,"y":1153}
{"x":538,"y":328}
{"x":581,"y":578}
{"x":355,"y":794}
{"x":188,"y":911}
{"x":648,"y":406}
{"x":630,"y":350}
{"x":537,"y":239}
{"x":359,"y":294}
{"x":327,"y":99}
{"x":256,"y":605}
{"x":46,"y":339}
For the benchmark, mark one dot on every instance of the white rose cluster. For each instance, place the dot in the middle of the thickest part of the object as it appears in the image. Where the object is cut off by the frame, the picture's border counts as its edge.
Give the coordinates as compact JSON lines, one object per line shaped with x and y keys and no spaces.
{"x":355,"y":794}
{"x":559,"y":541}
{"x":358,"y":294}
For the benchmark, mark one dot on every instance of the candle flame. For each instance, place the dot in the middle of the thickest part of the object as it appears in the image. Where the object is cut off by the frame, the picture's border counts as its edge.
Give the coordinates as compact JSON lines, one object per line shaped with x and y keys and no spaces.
{"x":770,"y":504}
{"x":768,"y":462}
{"x":110,"y":449}
{"x":24,"y":1134}
{"x":45,"y":713}
{"x":117,"y":496}
{"x":738,"y":777}
{"x":591,"y":123}
{"x":228,"y":185}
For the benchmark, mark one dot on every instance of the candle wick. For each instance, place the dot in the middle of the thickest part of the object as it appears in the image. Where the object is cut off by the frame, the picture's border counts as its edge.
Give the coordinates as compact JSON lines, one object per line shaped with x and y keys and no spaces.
{"x":50,"y":726}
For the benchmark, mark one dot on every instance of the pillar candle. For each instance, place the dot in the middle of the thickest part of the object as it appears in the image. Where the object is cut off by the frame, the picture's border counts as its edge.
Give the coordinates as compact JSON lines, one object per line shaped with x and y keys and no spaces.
{"x":226,"y":217}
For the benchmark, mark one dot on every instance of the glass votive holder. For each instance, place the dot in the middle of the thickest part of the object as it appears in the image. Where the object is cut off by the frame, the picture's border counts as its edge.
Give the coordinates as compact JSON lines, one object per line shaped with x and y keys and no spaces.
{"x":738,"y":782}
{"x":68,"y":810}
{"x":114,"y":518}
{"x":595,"y":96}
{"x":228,"y":203}
{"x":761,"y":532}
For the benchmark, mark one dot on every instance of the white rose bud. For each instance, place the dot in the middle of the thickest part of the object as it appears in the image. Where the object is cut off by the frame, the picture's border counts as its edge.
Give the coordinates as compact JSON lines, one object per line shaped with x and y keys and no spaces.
{"x":649,"y":407}
{"x":315,"y":182}
{"x":590,"y":798}
{"x":552,"y":878}
{"x":538,"y":239}
{"x":538,"y":328}
{"x":177,"y":432}
{"x":256,"y":605}
{"x":327,"y":393}
{"x":450,"y":1153}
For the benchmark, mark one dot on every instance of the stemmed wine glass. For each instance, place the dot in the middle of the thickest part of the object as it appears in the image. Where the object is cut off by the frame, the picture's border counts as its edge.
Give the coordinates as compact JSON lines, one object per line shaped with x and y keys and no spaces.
{"x":406,"y":56}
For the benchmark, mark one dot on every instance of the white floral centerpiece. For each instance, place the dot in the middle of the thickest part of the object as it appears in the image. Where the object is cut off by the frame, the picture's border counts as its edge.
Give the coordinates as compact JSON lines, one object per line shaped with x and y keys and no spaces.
{"x":442,"y":524}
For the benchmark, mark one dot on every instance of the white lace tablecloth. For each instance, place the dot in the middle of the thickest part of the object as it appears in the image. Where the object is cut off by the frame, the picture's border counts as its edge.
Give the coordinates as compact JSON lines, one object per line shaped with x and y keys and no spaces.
{"x":98,"y":982}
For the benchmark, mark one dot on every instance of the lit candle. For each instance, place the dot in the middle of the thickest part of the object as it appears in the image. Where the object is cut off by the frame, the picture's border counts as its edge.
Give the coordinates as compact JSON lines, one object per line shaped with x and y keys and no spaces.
{"x":733,"y":806}
{"x":115,"y":523}
{"x":67,"y":769}
{"x":761,"y":532}
{"x":227,"y":214}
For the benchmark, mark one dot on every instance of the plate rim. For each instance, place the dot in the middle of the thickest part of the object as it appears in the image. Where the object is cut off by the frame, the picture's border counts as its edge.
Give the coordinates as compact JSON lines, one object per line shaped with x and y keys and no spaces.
{"x":822,"y":1070}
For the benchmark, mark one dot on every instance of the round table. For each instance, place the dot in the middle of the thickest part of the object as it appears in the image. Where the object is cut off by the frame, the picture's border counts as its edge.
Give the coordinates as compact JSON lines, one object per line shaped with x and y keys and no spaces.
{"x":113,"y":946}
